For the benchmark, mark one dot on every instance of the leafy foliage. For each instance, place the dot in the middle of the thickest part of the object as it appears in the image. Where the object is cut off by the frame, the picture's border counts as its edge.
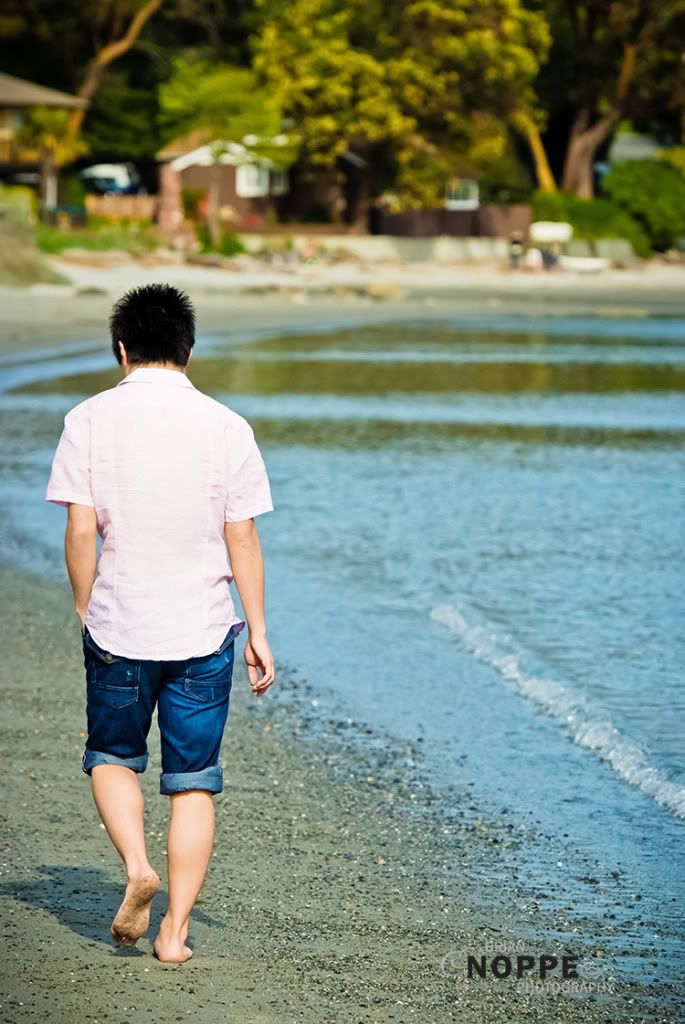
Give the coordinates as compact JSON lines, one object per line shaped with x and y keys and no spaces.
{"x":136,"y":237}
{"x":609,"y":62}
{"x":122,"y":120}
{"x":20,"y":261}
{"x":417,"y":90}
{"x":420,"y":90}
{"x":228,"y":244}
{"x":225,"y":100}
{"x":653,"y":192}
{"x":591,"y":219}
{"x":45,"y":129}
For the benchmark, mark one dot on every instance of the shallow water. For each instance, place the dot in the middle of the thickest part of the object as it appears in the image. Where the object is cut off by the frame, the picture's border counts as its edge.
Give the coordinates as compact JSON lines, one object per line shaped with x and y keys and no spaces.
{"x":477,"y":546}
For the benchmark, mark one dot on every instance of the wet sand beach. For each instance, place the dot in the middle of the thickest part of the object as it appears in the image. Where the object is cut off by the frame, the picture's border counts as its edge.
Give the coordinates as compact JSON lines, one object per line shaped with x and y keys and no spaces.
{"x":337,"y":891}
{"x":343,"y":889}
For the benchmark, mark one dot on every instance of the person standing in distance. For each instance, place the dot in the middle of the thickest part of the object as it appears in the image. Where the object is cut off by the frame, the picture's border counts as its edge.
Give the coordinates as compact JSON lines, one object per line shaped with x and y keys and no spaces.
{"x":171,"y":480}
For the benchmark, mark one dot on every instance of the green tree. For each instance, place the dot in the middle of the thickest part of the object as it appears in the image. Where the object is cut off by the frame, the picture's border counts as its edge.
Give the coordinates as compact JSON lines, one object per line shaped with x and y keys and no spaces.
{"x":226,"y":100}
{"x":102,"y":49}
{"x":229,"y":104}
{"x":415,"y":92}
{"x":609,"y":62}
{"x":122,"y":119}
{"x":43,"y":136}
{"x":338,"y":95}
{"x":121,"y":22}
{"x":465,"y":69}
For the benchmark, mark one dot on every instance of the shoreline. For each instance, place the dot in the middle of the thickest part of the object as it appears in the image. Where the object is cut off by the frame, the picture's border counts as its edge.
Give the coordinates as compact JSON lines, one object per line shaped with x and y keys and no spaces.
{"x":339,"y":890}
{"x":343,"y":888}
{"x":42,"y":318}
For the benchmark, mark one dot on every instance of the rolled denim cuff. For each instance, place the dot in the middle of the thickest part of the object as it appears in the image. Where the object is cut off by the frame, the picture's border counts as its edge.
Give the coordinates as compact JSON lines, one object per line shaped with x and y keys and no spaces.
{"x":94,"y":757}
{"x":210,"y":779}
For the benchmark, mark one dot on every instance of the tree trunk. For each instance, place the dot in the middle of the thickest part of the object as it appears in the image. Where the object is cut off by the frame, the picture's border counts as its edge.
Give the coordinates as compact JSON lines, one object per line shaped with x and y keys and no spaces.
{"x":584,"y":142}
{"x":48,"y":179}
{"x":586,"y":138}
{"x":543,"y":171}
{"x":104,"y":58}
{"x":356,"y":193}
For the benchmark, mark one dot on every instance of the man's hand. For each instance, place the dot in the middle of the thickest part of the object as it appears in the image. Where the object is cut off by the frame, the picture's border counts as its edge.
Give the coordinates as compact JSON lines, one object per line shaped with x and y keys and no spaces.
{"x":82,"y":618}
{"x":247,"y":565}
{"x":258,"y":656}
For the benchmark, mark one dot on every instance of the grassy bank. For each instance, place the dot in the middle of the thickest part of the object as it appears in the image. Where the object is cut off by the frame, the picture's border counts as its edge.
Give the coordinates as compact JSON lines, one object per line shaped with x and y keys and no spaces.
{"x":134,"y":237}
{"x":21,"y":262}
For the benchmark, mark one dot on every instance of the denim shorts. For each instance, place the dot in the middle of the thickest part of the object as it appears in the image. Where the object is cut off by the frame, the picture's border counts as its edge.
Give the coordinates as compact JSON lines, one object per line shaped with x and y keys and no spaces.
{"x":191,"y":697}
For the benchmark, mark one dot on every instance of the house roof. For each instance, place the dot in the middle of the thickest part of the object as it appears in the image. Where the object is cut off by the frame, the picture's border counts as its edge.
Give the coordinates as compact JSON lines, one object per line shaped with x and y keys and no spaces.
{"x":184,"y":144}
{"x":16,"y":92}
{"x":200,"y":148}
{"x":217,"y":153}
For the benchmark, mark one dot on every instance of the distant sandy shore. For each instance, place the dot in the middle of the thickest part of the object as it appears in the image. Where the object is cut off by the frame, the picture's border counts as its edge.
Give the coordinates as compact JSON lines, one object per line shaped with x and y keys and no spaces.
{"x":47,"y":316}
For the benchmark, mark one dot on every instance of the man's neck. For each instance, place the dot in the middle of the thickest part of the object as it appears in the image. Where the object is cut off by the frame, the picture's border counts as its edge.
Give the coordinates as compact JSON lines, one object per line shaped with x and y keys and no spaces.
{"x":130,"y":367}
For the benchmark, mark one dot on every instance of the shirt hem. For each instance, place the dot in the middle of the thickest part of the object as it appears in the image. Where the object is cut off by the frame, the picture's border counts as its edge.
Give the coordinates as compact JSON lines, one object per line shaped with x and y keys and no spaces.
{"x":134,"y":655}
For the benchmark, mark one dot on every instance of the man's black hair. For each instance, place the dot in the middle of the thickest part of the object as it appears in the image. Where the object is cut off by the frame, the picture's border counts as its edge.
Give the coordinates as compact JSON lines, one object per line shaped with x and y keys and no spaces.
{"x":156,"y":324}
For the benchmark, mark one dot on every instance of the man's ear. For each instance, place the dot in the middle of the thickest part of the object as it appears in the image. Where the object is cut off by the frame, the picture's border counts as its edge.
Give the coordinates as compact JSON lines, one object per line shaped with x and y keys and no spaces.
{"x":122,"y":350}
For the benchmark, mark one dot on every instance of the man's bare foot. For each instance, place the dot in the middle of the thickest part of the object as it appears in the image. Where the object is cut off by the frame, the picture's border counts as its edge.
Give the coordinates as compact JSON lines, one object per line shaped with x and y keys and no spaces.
{"x":170,"y":946}
{"x":133,"y":916}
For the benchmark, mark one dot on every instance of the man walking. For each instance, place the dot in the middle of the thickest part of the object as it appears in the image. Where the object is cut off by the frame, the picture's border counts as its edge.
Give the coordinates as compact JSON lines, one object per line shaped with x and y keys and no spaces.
{"x":171,"y":480}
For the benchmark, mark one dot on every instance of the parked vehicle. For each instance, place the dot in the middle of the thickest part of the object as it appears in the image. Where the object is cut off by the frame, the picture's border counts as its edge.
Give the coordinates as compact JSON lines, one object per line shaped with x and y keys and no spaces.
{"x":112,"y":179}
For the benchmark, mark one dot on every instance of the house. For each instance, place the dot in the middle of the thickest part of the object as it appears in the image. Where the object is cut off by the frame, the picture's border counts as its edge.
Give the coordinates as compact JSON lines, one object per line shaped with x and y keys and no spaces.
{"x":18,"y":96}
{"x":243,"y":185}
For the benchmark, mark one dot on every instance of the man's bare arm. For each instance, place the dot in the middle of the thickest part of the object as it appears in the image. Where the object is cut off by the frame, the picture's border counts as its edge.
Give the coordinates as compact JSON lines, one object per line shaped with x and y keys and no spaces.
{"x":247,"y":565}
{"x":80,"y":551}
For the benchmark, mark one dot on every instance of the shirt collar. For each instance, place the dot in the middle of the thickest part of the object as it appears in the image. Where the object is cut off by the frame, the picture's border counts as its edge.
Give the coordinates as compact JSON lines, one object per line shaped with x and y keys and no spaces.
{"x":156,"y":375}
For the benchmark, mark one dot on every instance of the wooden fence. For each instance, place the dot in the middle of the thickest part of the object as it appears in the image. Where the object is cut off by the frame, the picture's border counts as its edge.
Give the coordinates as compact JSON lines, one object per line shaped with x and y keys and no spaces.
{"x":122,"y":207}
{"x":492,"y":220}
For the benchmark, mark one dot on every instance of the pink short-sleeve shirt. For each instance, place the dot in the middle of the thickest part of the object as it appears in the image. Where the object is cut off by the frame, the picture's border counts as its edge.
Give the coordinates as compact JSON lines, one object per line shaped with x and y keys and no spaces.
{"x":165,"y":467}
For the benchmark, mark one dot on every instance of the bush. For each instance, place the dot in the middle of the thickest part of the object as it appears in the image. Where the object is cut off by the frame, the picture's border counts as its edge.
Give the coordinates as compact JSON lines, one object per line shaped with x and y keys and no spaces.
{"x":20,"y":261}
{"x":18,"y":204}
{"x":72,"y":192}
{"x":591,"y":219}
{"x":136,"y":237}
{"x":229,"y":245}
{"x":191,"y":199}
{"x":653,"y":192}
{"x":674,"y":155}
{"x":505,"y":180}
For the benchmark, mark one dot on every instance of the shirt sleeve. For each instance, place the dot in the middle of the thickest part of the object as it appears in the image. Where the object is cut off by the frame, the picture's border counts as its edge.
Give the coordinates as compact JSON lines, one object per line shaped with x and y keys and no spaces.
{"x":69,"y":481}
{"x":248,"y":492}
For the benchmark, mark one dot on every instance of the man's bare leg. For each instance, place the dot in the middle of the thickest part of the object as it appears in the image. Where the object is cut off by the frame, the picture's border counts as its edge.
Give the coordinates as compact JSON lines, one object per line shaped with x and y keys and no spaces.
{"x":189,"y":849}
{"x":119,"y":801}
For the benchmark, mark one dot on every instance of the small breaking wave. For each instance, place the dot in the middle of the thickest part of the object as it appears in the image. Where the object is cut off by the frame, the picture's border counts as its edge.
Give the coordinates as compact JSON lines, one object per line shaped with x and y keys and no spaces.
{"x":571,"y":710}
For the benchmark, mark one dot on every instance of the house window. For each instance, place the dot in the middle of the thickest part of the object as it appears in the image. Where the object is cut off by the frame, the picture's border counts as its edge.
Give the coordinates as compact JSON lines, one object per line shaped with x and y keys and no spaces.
{"x":251,"y":180}
{"x":279,"y":183}
{"x":462,"y":194}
